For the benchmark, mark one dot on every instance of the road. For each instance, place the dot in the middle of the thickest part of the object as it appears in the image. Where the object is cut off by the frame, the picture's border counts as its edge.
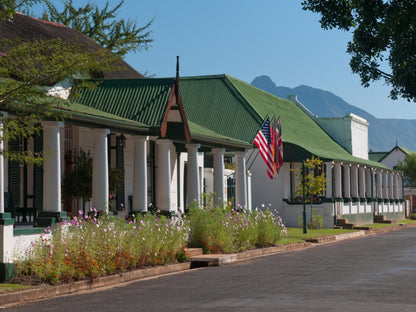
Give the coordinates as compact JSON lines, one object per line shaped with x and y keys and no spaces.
{"x":375,"y":273}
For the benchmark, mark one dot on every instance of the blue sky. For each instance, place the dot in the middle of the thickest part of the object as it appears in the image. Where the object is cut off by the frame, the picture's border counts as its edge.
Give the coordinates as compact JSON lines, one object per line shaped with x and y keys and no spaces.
{"x":246,"y":39}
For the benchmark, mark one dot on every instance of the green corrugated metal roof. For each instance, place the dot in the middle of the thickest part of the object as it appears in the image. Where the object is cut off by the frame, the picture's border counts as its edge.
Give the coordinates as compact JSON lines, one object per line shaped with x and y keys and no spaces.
{"x":377,"y":156}
{"x":141,"y":100}
{"x":406,"y":151}
{"x":214,"y":104}
{"x":203,"y":134}
{"x":297,"y":127}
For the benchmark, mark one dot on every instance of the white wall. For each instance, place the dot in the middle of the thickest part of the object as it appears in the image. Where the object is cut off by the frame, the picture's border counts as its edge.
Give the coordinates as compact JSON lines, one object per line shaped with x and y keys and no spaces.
{"x":266,"y":191}
{"x":350,"y":131}
{"x":393,"y":158}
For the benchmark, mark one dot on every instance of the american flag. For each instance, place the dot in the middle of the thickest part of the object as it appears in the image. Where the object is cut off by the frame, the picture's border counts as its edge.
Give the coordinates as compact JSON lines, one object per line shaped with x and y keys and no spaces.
{"x":263,"y":141}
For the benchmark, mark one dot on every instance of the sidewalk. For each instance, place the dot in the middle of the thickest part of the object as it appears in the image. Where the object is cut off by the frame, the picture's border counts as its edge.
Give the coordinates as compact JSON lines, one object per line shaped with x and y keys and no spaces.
{"x":47,"y":291}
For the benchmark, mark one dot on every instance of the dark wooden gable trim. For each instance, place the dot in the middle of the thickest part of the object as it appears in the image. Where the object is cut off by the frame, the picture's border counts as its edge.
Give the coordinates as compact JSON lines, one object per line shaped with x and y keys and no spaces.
{"x":164,"y":126}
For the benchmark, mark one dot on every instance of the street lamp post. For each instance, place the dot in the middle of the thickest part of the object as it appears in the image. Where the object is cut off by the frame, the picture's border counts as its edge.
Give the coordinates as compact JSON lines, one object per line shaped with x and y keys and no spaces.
{"x":304,"y":205}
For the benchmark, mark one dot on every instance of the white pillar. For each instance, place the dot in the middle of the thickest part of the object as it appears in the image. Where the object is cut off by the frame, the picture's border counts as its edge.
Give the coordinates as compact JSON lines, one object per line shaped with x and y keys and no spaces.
{"x":140,"y":173}
{"x":386,"y":186}
{"x":328,"y":175}
{"x":361,"y":180}
{"x":163,"y":178}
{"x":368,"y":177}
{"x":52,"y":166}
{"x":240,"y":180}
{"x":219,"y":176}
{"x":249,"y":196}
{"x":347,"y":184}
{"x":379,"y":183}
{"x":396,"y":186}
{"x":354,"y":181}
{"x":100,"y":192}
{"x":392,"y":185}
{"x":337,"y":180}
{"x":192,"y":191}
{"x":400,"y":185}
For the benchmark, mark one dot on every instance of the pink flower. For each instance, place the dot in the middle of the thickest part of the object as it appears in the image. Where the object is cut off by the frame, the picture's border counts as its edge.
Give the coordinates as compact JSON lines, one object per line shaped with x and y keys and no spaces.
{"x":32,"y":243}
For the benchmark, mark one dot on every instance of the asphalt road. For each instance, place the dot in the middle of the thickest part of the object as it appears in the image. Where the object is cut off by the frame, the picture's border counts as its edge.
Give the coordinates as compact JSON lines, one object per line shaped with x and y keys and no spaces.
{"x":376,"y":273}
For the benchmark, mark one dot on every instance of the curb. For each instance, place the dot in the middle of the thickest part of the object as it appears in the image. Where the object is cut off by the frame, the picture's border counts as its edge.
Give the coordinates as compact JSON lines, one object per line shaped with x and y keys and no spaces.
{"x":47,"y":291}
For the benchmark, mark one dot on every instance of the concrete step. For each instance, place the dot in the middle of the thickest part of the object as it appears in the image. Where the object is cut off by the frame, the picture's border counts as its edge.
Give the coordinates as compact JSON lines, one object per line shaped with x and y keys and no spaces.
{"x":341,"y":222}
{"x":385,"y":221}
{"x":348,"y":226}
{"x":212,"y":260}
{"x":193,"y":252}
{"x":379,"y":218}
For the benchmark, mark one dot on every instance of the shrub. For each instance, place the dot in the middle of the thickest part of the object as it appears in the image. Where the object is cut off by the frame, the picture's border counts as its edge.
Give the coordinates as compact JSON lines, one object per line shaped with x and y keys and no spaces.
{"x":89,"y":247}
{"x":219,"y":230}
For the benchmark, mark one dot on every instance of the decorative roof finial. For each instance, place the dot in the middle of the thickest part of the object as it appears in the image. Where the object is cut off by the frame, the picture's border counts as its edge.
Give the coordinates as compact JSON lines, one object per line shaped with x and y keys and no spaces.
{"x":177,"y":79}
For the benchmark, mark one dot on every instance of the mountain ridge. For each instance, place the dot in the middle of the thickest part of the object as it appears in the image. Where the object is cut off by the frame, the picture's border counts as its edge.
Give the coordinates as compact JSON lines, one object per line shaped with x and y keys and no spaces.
{"x":382,"y":133}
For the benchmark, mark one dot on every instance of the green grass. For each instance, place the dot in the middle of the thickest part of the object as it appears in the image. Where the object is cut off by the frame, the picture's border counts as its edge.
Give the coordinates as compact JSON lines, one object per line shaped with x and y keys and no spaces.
{"x":381,"y":225}
{"x":295,"y":235}
{"x":12,"y":287}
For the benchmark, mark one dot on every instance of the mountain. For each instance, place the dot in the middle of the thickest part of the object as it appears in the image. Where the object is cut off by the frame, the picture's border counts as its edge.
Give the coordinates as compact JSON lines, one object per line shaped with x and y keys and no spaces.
{"x":382,"y":133}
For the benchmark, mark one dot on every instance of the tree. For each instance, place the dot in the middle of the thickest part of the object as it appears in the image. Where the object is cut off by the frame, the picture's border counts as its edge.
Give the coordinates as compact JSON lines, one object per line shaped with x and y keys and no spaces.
{"x":315,"y":184}
{"x":383,"y":45}
{"x":117,"y":35}
{"x":408,"y":166}
{"x":9,"y":7}
{"x":28,"y":68}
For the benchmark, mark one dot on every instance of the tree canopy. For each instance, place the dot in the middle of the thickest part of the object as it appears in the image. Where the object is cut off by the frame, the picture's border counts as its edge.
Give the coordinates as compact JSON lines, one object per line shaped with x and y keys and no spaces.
{"x":408,"y":166}
{"x":384,"y":39}
{"x":28,"y":68}
{"x":120,"y":36}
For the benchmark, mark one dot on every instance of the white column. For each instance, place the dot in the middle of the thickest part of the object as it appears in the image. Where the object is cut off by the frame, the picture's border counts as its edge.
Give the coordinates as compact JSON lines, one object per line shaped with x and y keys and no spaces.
{"x":392,"y":185}
{"x":361,"y":180}
{"x":347,"y":184}
{"x":368,"y":177}
{"x":400,"y":185}
{"x":140,"y":173}
{"x":163,"y":175}
{"x":249,"y":196}
{"x":337,"y":180}
{"x":192,"y":189}
{"x":354,"y":181}
{"x":240,"y":180}
{"x":219,"y":198}
{"x":380,"y":184}
{"x":386,"y":186}
{"x":100,"y":192}
{"x":52,"y":166}
{"x":328,"y":175}
{"x":396,"y":186}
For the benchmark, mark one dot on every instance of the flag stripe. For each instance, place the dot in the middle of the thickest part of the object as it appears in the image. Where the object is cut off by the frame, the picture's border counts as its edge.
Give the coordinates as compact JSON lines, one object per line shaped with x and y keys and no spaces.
{"x":263,"y":141}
